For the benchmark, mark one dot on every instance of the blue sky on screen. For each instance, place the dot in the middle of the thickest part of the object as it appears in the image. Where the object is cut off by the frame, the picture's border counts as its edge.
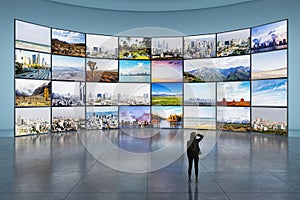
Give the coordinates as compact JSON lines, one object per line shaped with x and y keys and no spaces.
{"x":269,"y":92}
{"x":169,"y":88}
{"x":265,"y":33}
{"x":134,"y":66}
{"x":68,"y":36}
{"x":233,"y":90}
{"x":68,"y":61}
{"x":224,"y":63}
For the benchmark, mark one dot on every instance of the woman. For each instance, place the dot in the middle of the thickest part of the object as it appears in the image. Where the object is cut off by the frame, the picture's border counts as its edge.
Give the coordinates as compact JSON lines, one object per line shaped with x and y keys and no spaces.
{"x":193,"y":152}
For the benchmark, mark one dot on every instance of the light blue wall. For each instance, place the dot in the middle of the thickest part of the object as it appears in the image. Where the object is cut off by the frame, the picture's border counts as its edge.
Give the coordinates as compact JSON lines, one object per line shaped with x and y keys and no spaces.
{"x":111,"y":23}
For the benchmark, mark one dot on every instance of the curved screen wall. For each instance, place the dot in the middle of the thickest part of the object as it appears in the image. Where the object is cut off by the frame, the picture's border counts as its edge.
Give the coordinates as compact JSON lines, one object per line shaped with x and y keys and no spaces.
{"x":68,"y":81}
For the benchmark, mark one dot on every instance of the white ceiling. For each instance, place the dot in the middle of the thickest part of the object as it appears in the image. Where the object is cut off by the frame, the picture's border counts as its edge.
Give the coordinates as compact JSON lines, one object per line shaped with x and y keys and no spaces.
{"x":149,"y":5}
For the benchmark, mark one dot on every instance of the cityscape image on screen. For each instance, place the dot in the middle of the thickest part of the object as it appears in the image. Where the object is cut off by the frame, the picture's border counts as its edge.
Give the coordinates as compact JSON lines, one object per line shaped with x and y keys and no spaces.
{"x":200,"y":46}
{"x":98,"y":118}
{"x":67,"y":80}
{"x":134,"y":71}
{"x":68,"y":119}
{"x":34,"y":65}
{"x":269,"y":37}
{"x":233,"y":43}
{"x":269,"y":120}
{"x":201,"y":94}
{"x":101,"y":46}
{"x":167,"y":48}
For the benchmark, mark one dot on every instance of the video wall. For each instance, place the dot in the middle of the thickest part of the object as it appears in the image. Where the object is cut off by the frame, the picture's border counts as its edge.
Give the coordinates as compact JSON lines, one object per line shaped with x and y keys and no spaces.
{"x":233,"y":81}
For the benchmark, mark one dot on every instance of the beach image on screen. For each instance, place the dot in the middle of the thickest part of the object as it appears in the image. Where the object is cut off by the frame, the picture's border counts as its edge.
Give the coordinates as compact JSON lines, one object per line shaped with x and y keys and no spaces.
{"x":201,"y":94}
{"x":200,"y":117}
{"x":233,"y":43}
{"x":68,"y":119}
{"x":269,"y":37}
{"x":134,"y":71}
{"x":32,"y":121}
{"x":235,"y":68}
{"x":32,"y":92}
{"x":269,"y":65}
{"x":134,"y":48}
{"x":233,"y":93}
{"x":166,"y":94}
{"x":270,"y":120}
{"x":98,"y":118}
{"x":68,"y":93}
{"x":32,"y":37}
{"x":166,"y":70}
{"x":167,"y":48}
{"x":166,"y":116}
{"x":101,"y":46}
{"x":200,"y":46}
{"x":134,"y":116}
{"x":102,"y":70}
{"x":32,"y":65}
{"x":68,"y":43}
{"x":68,"y":68}
{"x":271,"y":92}
{"x":118,"y":94}
{"x":233,"y":119}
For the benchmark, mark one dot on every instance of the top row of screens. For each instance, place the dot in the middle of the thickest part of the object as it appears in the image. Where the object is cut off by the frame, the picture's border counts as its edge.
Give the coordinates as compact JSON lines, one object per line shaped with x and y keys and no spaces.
{"x":241,"y":42}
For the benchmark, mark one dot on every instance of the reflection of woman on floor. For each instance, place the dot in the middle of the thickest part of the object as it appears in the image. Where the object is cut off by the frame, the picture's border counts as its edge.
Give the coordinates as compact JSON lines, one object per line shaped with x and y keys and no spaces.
{"x":193,"y":152}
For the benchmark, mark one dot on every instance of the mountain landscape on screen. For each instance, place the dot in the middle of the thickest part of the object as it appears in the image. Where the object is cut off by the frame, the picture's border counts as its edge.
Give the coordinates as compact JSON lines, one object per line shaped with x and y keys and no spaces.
{"x":217,"y":74}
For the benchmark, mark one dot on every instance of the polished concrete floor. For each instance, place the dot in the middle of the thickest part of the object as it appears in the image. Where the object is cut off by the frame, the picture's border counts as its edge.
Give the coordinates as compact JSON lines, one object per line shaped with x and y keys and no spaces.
{"x":148,"y":164}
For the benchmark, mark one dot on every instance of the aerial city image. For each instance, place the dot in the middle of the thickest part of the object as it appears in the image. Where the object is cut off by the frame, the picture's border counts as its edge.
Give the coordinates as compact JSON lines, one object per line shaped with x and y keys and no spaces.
{"x":167,"y":48}
{"x":200,"y":46}
{"x":33,"y":65}
{"x":233,"y":43}
{"x":101,"y":46}
{"x":117,"y":94}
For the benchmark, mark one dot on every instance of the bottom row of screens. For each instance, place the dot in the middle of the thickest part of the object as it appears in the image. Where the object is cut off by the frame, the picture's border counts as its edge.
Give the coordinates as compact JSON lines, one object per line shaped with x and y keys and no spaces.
{"x":38,"y":120}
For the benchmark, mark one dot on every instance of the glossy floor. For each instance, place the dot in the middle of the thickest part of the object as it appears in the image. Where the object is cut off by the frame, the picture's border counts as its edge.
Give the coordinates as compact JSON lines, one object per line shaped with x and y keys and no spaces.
{"x":148,"y":164}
